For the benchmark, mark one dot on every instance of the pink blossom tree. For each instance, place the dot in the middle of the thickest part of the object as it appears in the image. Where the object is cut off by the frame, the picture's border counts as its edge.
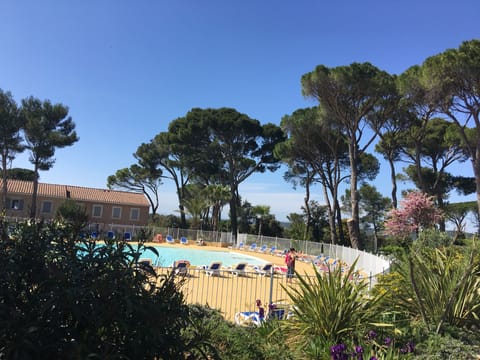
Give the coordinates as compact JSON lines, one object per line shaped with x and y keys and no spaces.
{"x":417,"y":211}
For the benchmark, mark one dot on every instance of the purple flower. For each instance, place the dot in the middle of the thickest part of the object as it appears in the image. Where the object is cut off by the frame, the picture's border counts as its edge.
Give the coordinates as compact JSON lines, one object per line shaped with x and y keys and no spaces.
{"x":337,"y":352}
{"x":358,"y":353}
{"x":410,"y":347}
{"x":388,"y":341}
{"x":371,"y":335}
{"x":373,"y":358}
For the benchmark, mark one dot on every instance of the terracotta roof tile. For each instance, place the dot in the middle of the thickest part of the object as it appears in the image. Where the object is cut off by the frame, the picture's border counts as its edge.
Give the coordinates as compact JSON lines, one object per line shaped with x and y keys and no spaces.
{"x":78,"y":193}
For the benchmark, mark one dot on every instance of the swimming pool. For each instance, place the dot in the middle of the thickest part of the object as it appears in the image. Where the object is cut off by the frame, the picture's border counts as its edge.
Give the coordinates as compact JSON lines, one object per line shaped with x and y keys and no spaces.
{"x":198,"y":257}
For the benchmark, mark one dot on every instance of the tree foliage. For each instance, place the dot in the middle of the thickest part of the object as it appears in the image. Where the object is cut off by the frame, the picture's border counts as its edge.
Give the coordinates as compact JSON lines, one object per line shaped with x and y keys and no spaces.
{"x":11,"y":141}
{"x":417,"y":211}
{"x":315,"y":153}
{"x":350,"y":95}
{"x":47,"y":127}
{"x":226,"y":147}
{"x":138,"y":179}
{"x":451,"y":80}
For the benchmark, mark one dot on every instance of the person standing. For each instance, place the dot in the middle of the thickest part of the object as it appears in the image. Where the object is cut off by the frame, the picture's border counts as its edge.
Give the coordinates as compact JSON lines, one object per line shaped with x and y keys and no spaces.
{"x":290,"y":261}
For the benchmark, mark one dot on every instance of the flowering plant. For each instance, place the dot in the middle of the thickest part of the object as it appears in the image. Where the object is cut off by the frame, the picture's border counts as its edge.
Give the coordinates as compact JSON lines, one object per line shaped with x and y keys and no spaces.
{"x":372,"y":350}
{"x":416,"y":211}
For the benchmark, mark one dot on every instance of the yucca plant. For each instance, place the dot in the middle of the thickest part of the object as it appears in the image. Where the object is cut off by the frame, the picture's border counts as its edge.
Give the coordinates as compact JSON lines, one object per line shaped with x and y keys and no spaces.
{"x":440,"y":286}
{"x":330,"y":308}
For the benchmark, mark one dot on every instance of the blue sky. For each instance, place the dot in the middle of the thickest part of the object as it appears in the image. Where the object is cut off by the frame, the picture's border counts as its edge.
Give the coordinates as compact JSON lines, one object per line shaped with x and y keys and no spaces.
{"x":126,"y":69}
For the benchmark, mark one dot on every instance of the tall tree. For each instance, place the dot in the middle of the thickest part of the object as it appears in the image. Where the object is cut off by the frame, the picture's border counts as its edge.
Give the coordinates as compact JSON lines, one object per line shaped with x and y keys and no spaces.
{"x":452,"y":81}
{"x":229,"y":145}
{"x":318,"y":153}
{"x":457,"y":213}
{"x":260,"y":212}
{"x":139,"y":179}
{"x":441,"y":147}
{"x":398,"y":120}
{"x":196,"y":204}
{"x":374,"y":207}
{"x":420,"y":111}
{"x":217,"y":196}
{"x":350,"y":95}
{"x":47,"y":127}
{"x":163,"y":155}
{"x":10,"y":138}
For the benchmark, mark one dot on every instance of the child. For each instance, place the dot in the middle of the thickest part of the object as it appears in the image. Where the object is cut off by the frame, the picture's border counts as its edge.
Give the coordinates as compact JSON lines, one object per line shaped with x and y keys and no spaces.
{"x":261,"y":310}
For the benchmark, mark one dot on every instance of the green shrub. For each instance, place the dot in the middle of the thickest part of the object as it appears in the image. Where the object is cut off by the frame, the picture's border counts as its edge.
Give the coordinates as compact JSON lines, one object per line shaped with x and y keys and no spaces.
{"x":330,"y":308}
{"x":62,"y":299}
{"x":231,"y":342}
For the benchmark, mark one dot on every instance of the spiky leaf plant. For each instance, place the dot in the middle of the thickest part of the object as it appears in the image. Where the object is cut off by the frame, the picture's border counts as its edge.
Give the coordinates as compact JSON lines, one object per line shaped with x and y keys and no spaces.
{"x":329,"y":308}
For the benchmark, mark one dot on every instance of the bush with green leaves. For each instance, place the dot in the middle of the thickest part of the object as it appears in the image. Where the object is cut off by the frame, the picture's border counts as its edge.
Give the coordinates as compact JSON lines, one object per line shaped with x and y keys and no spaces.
{"x":64,"y":299}
{"x":439,"y":286}
{"x":439,"y":347}
{"x":232,"y":342}
{"x":330,"y":308}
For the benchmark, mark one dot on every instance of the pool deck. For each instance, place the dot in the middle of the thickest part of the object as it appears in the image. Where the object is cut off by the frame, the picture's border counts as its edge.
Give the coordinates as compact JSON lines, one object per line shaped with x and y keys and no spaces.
{"x":233,"y":294}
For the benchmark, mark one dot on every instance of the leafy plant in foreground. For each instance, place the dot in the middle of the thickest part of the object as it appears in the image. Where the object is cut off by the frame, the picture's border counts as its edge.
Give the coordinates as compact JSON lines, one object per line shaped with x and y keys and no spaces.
{"x":330,"y":308}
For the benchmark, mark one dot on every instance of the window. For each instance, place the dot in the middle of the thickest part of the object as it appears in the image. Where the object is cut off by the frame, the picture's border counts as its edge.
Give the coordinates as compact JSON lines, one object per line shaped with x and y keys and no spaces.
{"x":97,"y":211}
{"x":46,"y":207}
{"x":116,"y":212}
{"x":134,"y":214}
{"x":16,"y":204}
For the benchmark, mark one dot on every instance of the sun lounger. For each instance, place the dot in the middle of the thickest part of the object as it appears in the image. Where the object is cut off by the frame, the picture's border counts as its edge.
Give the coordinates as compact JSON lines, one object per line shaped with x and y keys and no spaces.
{"x":239,"y":269}
{"x":213,"y":269}
{"x":169,"y":239}
{"x":248,"y":318}
{"x":264,"y":270}
{"x":180,"y":267}
{"x":252,"y":247}
{"x":263,"y":249}
{"x":183,"y":240}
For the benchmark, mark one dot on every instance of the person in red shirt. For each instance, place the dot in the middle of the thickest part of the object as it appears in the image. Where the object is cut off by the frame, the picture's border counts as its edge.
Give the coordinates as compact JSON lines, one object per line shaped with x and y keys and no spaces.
{"x":290,"y":261}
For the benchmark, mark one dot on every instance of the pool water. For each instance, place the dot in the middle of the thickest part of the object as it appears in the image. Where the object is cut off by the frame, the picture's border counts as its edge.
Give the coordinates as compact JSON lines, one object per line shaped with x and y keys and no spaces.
{"x":197,"y":257}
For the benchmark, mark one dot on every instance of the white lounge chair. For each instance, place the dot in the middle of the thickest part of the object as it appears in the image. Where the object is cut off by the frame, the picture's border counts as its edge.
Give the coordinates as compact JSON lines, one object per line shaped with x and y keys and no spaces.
{"x":169,"y":239}
{"x":248,"y":318}
{"x":239,"y":269}
{"x":183,"y":240}
{"x":263,"y":249}
{"x":252,"y":247}
{"x":213,"y":269}
{"x":264,"y":270}
{"x":180,"y":267}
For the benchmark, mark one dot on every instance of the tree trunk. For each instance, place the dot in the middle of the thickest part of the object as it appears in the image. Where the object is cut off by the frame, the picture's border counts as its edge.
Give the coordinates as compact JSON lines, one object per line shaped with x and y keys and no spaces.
{"x":307,"y":209}
{"x":341,"y":233}
{"x":33,"y":208}
{"x":233,"y":213}
{"x":394,"y":183}
{"x":354,"y":222}
{"x":331,"y":217}
{"x":418,"y":166}
{"x":441,"y":206}
{"x":4,"y":185}
{"x":476,"y":171}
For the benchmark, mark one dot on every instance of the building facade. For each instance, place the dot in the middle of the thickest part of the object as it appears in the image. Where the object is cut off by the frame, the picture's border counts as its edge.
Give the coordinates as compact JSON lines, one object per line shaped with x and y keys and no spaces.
{"x":108,"y":210}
